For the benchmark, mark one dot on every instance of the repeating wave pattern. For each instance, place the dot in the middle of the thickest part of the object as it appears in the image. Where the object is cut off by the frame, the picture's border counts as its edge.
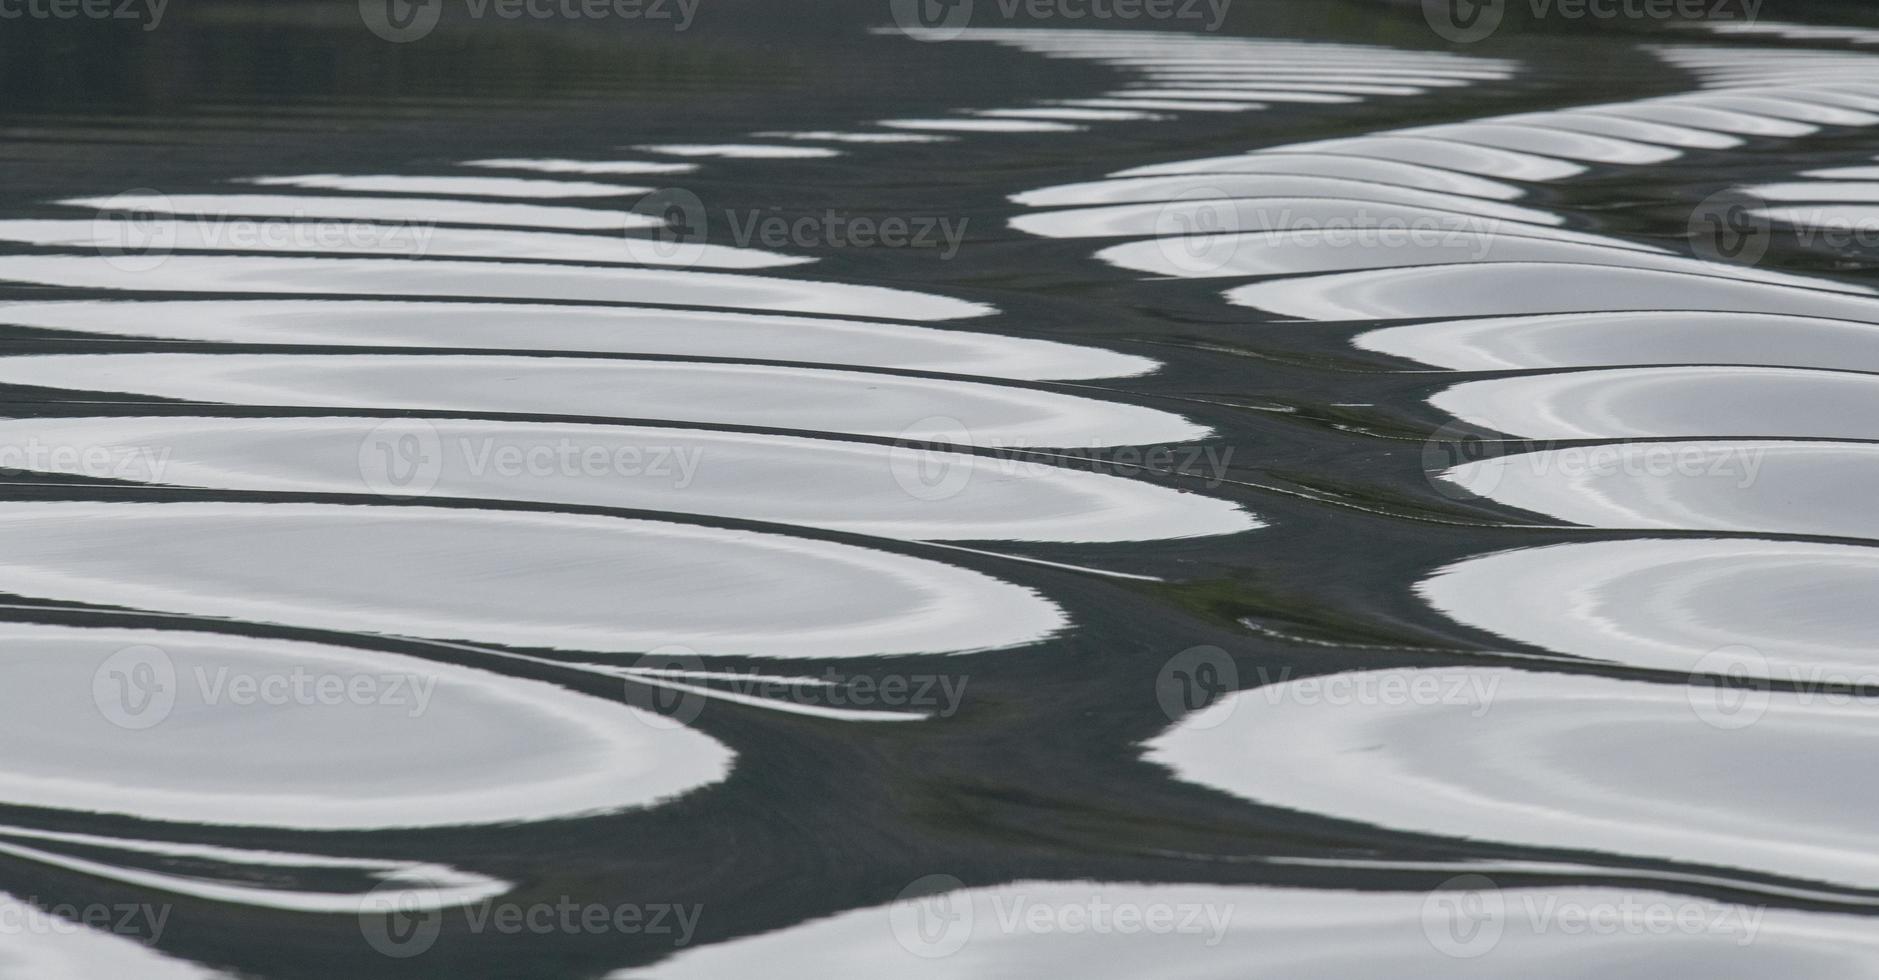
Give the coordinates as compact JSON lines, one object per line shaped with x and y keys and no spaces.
{"x":557,"y":486}
{"x":1661,"y":391}
{"x":739,"y":418}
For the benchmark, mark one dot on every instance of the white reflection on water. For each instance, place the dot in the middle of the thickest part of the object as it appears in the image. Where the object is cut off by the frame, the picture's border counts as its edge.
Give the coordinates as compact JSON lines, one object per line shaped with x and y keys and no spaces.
{"x":1672,"y":401}
{"x":1103,"y":930}
{"x":591,"y":329}
{"x":216,"y":208}
{"x":759,"y":395}
{"x":1822,"y":488}
{"x":866,"y":488}
{"x":161,"y":725}
{"x":370,"y":238}
{"x":560,"y":581}
{"x":455,"y":186}
{"x":1611,"y":339}
{"x":236,"y":274}
{"x":1554,"y":762}
{"x":1670,"y":603}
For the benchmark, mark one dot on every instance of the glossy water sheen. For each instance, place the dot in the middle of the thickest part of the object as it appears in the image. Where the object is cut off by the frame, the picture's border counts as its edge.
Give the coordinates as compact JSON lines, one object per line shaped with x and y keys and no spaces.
{"x":494,"y":749}
{"x":1672,"y":402}
{"x":726,"y":394}
{"x":1672,"y":603}
{"x":1715,"y":485}
{"x":860,"y":487}
{"x":1610,"y":339}
{"x":608,"y":330}
{"x":563,"y":581}
{"x":1215,"y":932}
{"x":488,"y":280}
{"x":1551,"y":761}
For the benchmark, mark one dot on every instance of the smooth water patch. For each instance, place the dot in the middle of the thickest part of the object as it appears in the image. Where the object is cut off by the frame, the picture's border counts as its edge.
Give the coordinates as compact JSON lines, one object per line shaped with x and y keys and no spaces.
{"x":1672,"y":402}
{"x":1553,"y":761}
{"x":1537,"y":138}
{"x":982,"y":125}
{"x":1613,"y":339}
{"x":865,"y":488}
{"x":743,"y":151}
{"x":1202,"y":213}
{"x":213,"y":210}
{"x":1387,"y":245}
{"x":755,"y":395}
{"x":210,"y":728}
{"x":1363,"y":168}
{"x":558,"y":581}
{"x":588,"y":329}
{"x":1640,"y":130}
{"x":1508,"y":288}
{"x":1684,"y":604}
{"x":560,"y":166}
{"x":488,"y":280}
{"x":1679,"y":111}
{"x":1815,"y":488}
{"x":1218,"y":191}
{"x":840,"y":136}
{"x":1446,"y":154}
{"x":450,"y":186}
{"x":1126,"y":931}
{"x":370,"y":238}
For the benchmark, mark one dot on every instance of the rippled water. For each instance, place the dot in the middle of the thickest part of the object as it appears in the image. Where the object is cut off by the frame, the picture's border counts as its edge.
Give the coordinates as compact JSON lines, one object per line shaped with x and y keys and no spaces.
{"x":802,"y":496}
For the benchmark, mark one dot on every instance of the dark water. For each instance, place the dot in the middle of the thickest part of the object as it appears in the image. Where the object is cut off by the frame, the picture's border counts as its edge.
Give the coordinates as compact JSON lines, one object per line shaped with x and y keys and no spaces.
{"x":781,"y":497}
